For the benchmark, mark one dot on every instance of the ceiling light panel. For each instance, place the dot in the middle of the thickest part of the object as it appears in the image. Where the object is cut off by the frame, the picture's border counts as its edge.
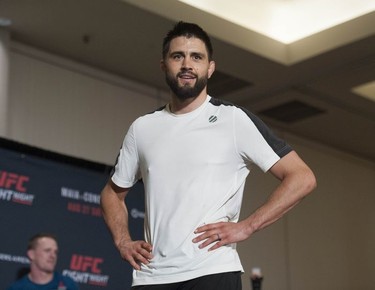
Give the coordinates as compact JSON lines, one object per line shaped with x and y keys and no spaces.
{"x":285,"y":20}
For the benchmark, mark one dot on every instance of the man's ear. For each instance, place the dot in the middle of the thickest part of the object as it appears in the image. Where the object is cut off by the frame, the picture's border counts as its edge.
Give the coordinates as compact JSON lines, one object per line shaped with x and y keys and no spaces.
{"x":30,"y":254}
{"x":211,"y":68}
{"x":162,"y":65}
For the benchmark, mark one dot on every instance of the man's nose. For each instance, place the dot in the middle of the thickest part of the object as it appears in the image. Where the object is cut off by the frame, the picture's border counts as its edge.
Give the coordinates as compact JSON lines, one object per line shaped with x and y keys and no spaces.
{"x":186,"y":63}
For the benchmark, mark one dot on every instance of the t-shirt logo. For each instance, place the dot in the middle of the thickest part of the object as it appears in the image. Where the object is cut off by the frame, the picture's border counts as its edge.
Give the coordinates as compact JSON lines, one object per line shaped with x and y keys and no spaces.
{"x":212,"y":119}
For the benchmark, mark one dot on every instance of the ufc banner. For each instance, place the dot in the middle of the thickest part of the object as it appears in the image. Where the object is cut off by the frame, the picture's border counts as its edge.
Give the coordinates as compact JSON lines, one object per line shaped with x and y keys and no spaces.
{"x":39,"y":194}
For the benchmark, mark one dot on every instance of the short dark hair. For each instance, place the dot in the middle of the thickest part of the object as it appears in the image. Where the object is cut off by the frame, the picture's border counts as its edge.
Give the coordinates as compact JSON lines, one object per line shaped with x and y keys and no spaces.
{"x":33,"y":241}
{"x":188,"y":30}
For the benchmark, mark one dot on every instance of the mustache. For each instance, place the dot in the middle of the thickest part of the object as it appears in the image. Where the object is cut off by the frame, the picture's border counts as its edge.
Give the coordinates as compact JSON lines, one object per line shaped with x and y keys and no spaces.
{"x":186,"y":73}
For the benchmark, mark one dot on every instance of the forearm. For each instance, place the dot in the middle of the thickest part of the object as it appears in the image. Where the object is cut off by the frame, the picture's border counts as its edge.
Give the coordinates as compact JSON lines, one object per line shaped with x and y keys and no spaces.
{"x":115,"y":215}
{"x":293,"y":188}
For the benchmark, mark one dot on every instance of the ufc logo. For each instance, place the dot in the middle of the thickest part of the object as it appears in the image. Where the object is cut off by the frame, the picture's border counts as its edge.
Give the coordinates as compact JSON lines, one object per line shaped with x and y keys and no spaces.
{"x":86,"y":264}
{"x":11,"y":180}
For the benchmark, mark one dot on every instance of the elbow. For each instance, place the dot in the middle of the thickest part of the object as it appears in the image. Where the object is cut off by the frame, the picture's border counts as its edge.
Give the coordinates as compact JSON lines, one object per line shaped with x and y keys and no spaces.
{"x":310,"y":182}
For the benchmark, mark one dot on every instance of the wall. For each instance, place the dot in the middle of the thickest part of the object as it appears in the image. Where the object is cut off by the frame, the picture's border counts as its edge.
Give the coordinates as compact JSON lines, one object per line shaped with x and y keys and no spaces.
{"x":324,"y":243}
{"x":70,"y":108}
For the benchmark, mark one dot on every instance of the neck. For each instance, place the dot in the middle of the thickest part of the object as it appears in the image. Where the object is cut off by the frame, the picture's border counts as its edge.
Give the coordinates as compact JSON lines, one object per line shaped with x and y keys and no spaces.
{"x":178,"y":106}
{"x":40,"y":277}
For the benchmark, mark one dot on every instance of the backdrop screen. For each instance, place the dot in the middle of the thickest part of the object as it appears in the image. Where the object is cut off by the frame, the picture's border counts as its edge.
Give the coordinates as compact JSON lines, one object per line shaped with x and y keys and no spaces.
{"x":39,"y":194}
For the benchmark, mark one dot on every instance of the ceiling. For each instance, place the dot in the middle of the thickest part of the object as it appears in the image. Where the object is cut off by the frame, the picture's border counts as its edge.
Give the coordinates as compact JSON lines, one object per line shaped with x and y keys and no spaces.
{"x":277,"y":19}
{"x":308,"y":86}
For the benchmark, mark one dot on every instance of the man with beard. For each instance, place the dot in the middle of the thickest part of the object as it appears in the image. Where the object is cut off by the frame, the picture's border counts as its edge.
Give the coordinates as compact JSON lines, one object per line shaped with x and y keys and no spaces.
{"x":193,"y":156}
{"x":42,"y":252}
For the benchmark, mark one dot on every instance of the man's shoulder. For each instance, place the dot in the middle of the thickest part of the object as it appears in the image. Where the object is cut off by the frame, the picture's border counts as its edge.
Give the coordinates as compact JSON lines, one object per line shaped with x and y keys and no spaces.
{"x":151,"y":116}
{"x":225,"y":106}
{"x":19,"y":284}
{"x":25,"y":283}
{"x":156,"y":112}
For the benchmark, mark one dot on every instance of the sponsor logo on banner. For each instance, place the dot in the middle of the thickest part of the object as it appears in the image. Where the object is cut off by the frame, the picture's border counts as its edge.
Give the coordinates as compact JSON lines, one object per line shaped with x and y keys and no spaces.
{"x":88,"y":203}
{"x":13,"y":188}
{"x":136,"y":214}
{"x":14,"y":259}
{"x":84,"y":203}
{"x":87,"y":270}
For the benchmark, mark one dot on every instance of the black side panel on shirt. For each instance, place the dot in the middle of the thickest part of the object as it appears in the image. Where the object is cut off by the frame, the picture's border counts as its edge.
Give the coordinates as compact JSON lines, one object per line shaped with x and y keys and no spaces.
{"x":280,"y":147}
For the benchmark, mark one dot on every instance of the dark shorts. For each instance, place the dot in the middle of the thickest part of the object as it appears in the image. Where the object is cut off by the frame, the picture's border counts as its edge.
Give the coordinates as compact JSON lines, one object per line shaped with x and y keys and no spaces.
{"x":221,"y":281}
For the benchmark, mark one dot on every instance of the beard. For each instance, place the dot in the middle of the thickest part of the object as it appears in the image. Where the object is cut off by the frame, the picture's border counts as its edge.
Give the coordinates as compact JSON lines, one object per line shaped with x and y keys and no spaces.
{"x":185,"y":92}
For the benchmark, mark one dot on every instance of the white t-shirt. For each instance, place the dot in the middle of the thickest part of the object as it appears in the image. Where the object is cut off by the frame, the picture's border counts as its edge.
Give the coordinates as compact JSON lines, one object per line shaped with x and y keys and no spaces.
{"x":194,"y":168}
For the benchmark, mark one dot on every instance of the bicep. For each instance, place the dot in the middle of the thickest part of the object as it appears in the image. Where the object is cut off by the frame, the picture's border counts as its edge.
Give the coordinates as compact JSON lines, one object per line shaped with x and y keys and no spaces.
{"x":111,"y":190}
{"x":289,"y":165}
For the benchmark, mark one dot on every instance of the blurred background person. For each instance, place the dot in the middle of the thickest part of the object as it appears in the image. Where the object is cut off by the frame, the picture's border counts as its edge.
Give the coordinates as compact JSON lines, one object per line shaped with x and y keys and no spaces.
{"x":42,"y":251}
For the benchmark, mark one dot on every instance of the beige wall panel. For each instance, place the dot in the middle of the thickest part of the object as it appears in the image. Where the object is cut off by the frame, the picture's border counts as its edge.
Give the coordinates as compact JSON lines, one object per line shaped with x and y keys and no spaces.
{"x":332,"y":233}
{"x":69,"y":112}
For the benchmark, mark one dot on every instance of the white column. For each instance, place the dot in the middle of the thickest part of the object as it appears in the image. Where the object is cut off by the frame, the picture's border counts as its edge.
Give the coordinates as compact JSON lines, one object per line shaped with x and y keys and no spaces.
{"x":4,"y":77}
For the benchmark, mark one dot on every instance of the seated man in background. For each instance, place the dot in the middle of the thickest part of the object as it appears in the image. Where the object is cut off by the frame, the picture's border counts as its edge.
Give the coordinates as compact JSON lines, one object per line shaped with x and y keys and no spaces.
{"x":42,"y":252}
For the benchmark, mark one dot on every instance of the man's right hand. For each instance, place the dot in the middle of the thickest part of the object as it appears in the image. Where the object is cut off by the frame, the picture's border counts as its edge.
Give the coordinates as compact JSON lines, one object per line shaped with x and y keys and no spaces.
{"x":135,"y":252}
